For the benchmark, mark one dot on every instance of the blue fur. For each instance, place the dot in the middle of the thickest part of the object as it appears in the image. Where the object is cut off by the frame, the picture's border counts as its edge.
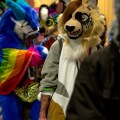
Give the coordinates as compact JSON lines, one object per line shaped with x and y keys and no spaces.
{"x":12,"y":101}
{"x":7,"y":26}
{"x":17,"y":9}
{"x":35,"y":108}
{"x":41,"y":51}
{"x":32,"y":19}
{"x":6,"y":42}
{"x":8,"y":38}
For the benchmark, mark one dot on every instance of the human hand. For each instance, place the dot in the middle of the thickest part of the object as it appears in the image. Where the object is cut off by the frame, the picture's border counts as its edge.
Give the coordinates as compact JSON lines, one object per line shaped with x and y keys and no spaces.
{"x":106,"y":44}
{"x":42,"y":116}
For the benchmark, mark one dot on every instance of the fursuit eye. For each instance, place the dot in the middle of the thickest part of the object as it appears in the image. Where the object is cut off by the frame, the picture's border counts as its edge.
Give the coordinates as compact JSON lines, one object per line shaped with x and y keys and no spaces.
{"x":25,"y":24}
{"x":49,"y":22}
{"x":78,"y":16}
{"x":84,"y":17}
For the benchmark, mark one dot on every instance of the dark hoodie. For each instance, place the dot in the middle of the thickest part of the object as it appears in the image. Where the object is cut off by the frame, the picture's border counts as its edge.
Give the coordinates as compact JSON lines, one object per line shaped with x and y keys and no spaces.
{"x":96,"y":94}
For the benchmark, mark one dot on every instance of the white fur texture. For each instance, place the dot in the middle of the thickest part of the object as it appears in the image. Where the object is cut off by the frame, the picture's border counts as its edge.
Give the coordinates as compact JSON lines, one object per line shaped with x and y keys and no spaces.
{"x":39,"y":96}
{"x":45,"y":50}
{"x":44,"y":13}
{"x":44,"y":93}
{"x":72,"y":51}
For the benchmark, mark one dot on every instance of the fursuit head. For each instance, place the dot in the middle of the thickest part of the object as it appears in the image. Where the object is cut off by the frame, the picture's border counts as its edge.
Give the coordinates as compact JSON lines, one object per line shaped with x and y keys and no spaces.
{"x":82,"y":25}
{"x":48,"y":16}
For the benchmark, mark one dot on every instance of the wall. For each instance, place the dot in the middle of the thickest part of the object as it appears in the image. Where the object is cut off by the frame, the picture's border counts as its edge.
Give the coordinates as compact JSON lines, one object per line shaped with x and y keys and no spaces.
{"x":106,"y":7}
{"x":48,"y":2}
{"x":37,"y":3}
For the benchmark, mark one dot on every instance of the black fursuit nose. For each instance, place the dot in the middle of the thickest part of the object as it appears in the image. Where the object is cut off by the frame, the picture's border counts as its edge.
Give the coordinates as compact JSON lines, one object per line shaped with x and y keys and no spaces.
{"x":70,"y":28}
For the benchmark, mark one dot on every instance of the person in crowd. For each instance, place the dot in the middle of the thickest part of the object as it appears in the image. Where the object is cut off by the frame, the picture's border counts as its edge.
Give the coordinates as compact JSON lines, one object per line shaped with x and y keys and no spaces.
{"x":96,"y":95}
{"x":104,"y":36}
{"x":80,"y":25}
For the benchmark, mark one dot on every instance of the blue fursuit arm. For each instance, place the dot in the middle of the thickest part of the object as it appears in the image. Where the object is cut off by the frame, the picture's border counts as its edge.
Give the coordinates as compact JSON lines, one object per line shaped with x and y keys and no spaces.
{"x":11,"y":107}
{"x":35,"y":109}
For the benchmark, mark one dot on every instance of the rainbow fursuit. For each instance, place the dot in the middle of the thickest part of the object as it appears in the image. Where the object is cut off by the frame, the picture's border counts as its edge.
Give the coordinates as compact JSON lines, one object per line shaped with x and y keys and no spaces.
{"x":19,"y":26}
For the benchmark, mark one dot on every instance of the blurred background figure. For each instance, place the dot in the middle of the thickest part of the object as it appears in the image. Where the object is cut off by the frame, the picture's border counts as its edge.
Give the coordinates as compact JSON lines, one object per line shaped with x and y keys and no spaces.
{"x":104,"y":34}
{"x":2,"y":7}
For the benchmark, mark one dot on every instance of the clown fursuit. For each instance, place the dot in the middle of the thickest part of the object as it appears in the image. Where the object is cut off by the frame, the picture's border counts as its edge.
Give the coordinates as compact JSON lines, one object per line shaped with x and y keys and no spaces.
{"x":19,"y":58}
{"x":81,"y":25}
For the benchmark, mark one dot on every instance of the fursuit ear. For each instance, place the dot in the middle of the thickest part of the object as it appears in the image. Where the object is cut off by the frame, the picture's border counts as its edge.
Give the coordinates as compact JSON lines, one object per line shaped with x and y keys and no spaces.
{"x":43,"y":12}
{"x":92,"y":3}
{"x":67,"y":1}
{"x":22,"y":2}
{"x":18,"y":11}
{"x":58,"y":6}
{"x":61,"y":5}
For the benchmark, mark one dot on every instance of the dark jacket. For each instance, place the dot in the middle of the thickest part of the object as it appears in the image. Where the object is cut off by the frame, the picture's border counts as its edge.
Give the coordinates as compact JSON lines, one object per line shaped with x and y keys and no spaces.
{"x":96,"y":95}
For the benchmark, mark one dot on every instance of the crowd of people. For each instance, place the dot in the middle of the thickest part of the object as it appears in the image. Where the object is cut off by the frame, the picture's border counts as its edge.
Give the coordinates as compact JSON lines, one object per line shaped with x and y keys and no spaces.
{"x":79,"y":79}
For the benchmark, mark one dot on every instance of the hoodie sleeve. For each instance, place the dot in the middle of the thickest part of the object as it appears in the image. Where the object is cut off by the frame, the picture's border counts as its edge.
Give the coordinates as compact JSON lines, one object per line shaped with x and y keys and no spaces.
{"x":50,"y":70}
